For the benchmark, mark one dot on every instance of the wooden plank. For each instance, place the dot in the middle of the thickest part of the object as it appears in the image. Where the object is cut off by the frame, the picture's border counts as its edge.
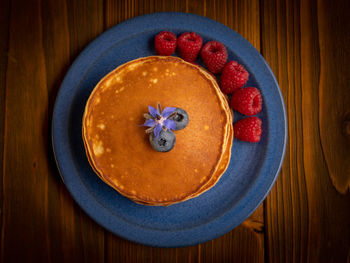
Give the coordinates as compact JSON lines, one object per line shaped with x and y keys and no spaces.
{"x":56,"y":230}
{"x":329,"y":213}
{"x":300,"y":222}
{"x":4,"y":39}
{"x":61,"y":214}
{"x":25,"y":165}
{"x":286,"y":205}
{"x":335,"y":117}
{"x":73,"y":235}
{"x":85,"y":19}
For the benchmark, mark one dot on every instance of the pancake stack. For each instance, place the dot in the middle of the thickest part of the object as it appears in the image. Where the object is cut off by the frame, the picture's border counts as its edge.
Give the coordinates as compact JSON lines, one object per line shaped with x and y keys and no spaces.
{"x":119,"y":151}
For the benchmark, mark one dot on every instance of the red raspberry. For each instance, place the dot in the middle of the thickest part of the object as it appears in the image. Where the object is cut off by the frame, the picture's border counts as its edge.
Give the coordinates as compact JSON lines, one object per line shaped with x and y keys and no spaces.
{"x":233,"y":76}
{"x":247,"y":101}
{"x":248,"y":129}
{"x":189,"y":44}
{"x":214,"y":55}
{"x":165,"y":43}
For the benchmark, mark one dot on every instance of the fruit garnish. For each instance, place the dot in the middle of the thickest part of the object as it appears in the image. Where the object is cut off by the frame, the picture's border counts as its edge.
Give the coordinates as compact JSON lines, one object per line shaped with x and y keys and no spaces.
{"x":162,"y":124}
{"x":180,"y":119}
{"x":158,"y":119}
{"x":233,"y":77}
{"x":189,"y":45}
{"x":164,"y":142}
{"x":214,"y":55}
{"x":247,"y":101}
{"x":165,"y":43}
{"x":248,"y":129}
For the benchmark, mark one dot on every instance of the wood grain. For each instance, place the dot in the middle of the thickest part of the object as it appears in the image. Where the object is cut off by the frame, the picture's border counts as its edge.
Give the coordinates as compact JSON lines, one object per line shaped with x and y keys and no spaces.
{"x":25,"y":163}
{"x":335,"y":117}
{"x":328,"y":209}
{"x":61,"y":217}
{"x":4,"y":31}
{"x":68,"y":224}
{"x":286,"y":205}
{"x":306,"y":216}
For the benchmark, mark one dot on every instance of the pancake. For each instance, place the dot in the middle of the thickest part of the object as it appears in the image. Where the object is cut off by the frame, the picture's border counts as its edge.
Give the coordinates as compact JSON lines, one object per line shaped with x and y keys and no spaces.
{"x":215,"y":178}
{"x":118,"y":148}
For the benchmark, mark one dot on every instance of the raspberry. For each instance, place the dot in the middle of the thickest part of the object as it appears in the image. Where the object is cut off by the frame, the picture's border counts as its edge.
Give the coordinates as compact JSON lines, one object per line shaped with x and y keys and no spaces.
{"x":247,"y":101}
{"x":189,"y":44}
{"x":233,"y":76}
{"x":248,"y":129}
{"x":165,"y":43}
{"x":214,"y":55}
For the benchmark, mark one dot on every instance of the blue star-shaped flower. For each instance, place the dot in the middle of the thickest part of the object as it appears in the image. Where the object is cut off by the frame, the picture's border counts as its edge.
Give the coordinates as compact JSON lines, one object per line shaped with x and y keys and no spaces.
{"x":158,"y":119}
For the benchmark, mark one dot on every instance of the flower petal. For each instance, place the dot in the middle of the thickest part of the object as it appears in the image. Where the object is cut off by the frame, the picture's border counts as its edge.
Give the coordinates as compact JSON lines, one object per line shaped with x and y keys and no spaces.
{"x":167,"y":111}
{"x":150,"y":123}
{"x":157,"y":130}
{"x":169,"y":124}
{"x":153,"y":111}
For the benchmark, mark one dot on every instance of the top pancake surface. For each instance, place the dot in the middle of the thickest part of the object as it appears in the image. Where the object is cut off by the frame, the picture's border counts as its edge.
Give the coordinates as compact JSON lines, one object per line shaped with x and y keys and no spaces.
{"x":118,"y":147}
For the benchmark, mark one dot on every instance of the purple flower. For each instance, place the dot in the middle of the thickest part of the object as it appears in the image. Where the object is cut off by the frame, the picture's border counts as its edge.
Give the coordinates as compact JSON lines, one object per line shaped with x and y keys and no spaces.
{"x":158,"y":119}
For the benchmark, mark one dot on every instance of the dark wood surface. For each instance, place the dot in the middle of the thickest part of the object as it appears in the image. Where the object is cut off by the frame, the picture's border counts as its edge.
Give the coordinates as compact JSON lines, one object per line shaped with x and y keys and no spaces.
{"x":306,"y":216}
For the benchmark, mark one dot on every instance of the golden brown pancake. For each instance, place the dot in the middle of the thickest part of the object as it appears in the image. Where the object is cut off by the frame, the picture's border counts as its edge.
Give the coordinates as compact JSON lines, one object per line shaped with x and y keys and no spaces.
{"x":215,"y":178}
{"x":119,"y":150}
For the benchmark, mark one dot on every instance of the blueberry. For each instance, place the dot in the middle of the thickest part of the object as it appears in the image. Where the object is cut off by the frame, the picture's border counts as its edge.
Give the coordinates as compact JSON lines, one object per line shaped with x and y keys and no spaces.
{"x":181,"y":119}
{"x":165,"y":141}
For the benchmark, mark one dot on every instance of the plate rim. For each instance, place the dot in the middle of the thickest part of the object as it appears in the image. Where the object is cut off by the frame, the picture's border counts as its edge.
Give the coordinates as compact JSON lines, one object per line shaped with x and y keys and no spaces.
{"x":85,"y":202}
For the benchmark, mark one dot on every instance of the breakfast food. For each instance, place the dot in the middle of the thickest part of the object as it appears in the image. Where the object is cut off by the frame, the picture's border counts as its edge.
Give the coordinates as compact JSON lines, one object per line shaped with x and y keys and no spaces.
{"x":247,"y":101}
{"x":186,"y":147}
{"x":165,"y":43}
{"x":161,"y":125}
{"x":214,"y":55}
{"x":189,"y":44}
{"x":233,"y":76}
{"x":122,"y":154}
{"x":248,"y":129}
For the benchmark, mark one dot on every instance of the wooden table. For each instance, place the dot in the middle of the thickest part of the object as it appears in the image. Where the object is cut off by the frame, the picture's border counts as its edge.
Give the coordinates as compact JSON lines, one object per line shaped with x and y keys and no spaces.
{"x":306,"y":216}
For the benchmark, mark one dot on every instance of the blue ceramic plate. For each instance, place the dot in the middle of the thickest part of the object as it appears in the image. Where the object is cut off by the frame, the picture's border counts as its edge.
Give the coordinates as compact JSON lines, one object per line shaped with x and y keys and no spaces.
{"x":253,"y":167}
